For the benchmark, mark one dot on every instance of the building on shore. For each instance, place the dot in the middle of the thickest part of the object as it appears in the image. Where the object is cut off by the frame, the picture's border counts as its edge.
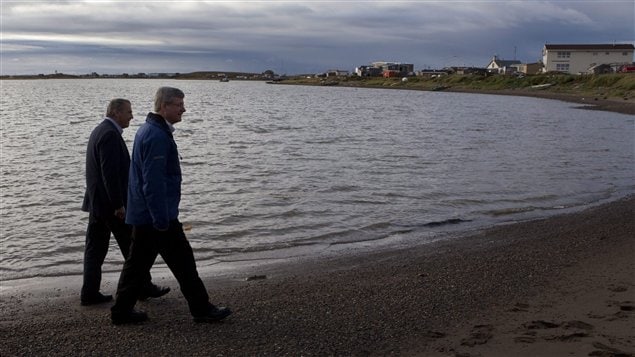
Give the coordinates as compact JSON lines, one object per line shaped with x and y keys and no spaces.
{"x":582,"y":58}
{"x":385,"y":69}
{"x":501,"y":66}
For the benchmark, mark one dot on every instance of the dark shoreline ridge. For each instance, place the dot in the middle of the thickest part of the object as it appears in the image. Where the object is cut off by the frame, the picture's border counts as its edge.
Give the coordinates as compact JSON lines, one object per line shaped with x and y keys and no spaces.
{"x":610,"y":92}
{"x":556,"y":286}
{"x":622,"y":106}
{"x":590,"y":102}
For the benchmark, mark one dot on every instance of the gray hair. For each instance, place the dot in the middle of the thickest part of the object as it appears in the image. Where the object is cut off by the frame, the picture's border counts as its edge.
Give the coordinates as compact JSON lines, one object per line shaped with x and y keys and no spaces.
{"x":116,"y":105}
{"x":165,"y":95}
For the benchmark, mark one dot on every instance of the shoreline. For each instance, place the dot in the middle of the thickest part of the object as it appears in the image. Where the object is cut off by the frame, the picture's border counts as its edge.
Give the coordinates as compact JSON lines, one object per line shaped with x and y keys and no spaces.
{"x":554,"y":286}
{"x":588,"y":102}
{"x":614,"y":105}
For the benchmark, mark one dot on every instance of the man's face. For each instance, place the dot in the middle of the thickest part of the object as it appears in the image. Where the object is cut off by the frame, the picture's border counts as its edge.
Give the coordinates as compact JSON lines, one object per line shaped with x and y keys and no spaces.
{"x":124,"y":116}
{"x":172,"y":112}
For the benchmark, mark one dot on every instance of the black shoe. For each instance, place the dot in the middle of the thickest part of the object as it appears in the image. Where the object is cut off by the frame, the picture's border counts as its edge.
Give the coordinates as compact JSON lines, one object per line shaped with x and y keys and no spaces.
{"x":214,"y":314}
{"x":96,"y":299}
{"x":129,"y":317}
{"x":154,"y":291}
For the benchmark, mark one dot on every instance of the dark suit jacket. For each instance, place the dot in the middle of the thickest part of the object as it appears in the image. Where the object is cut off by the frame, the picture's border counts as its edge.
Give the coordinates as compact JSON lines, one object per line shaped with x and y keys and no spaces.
{"x":107,"y":165}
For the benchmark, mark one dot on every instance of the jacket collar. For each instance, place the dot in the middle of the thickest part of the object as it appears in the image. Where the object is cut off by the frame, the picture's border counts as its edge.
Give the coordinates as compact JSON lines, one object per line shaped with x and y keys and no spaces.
{"x":158,"y":120}
{"x":115,"y":124}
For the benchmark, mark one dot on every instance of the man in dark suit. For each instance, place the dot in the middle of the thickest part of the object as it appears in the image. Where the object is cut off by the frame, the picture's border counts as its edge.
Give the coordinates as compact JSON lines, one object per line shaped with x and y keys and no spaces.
{"x":107,"y":165}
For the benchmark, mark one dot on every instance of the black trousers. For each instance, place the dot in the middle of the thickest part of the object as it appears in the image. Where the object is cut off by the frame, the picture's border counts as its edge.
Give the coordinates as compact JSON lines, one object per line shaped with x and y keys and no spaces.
{"x":97,"y":242}
{"x":177,"y":254}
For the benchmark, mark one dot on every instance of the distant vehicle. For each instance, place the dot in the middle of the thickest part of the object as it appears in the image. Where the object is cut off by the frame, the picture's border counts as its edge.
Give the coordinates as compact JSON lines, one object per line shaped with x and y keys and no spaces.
{"x":224,"y":79}
{"x":629,"y":68}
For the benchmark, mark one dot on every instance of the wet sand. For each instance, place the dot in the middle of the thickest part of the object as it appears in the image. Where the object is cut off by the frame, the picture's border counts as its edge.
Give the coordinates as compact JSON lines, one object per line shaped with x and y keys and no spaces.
{"x":553,"y":287}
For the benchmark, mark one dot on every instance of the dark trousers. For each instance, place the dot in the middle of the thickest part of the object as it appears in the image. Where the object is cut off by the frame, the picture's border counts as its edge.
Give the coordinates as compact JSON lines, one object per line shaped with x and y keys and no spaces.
{"x":97,"y":242}
{"x":177,"y":254}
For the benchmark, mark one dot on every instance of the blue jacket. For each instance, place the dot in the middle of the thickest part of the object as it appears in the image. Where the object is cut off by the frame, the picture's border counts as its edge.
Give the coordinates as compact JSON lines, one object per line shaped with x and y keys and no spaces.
{"x":154,"y":187}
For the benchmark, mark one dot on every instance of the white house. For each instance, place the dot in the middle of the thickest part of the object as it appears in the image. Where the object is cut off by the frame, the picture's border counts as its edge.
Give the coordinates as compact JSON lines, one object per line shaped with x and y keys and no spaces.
{"x":574,"y":59}
{"x":497,"y":65}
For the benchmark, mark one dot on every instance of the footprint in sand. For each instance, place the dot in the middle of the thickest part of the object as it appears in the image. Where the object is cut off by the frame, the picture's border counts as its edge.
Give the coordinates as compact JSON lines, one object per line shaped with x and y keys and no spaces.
{"x":626,"y":309}
{"x":618,"y":288}
{"x":568,"y":337}
{"x":540,"y":324}
{"x":525,"y":339}
{"x":530,"y":335}
{"x":580,"y":325}
{"x":479,"y":336}
{"x":434,"y":334}
{"x":580,"y":329}
{"x":607,"y":351}
{"x":520,"y":307}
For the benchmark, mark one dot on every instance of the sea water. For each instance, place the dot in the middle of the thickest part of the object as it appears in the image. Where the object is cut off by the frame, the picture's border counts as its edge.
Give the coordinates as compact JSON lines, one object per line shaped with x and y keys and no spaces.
{"x":267,"y":168}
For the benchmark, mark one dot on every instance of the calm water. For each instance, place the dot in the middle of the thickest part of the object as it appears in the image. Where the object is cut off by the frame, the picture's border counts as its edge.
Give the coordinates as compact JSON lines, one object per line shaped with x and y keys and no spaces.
{"x":269,"y":167}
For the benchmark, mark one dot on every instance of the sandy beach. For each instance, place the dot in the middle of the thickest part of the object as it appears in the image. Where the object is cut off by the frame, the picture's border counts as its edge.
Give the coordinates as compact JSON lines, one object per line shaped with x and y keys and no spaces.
{"x":561,"y":286}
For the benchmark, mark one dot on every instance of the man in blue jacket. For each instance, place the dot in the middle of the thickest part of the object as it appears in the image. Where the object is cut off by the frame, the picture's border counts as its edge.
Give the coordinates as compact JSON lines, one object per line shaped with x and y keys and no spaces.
{"x":154,"y":193}
{"x":107,"y":165}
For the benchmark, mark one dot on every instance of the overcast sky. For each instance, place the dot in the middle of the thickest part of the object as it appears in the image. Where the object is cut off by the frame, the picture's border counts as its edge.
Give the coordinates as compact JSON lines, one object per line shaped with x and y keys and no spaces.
{"x":294,"y":37}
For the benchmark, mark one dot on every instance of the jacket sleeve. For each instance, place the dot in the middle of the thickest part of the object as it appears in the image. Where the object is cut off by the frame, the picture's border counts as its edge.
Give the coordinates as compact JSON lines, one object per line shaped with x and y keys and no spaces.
{"x":112,"y":164}
{"x":154,"y":172}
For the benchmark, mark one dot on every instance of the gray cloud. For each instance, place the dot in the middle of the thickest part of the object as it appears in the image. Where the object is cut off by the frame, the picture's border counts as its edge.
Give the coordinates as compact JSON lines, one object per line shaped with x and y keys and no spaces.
{"x":293,"y":37}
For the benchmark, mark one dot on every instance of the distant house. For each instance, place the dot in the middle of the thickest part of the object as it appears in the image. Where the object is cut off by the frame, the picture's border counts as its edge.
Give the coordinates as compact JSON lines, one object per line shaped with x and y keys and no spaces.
{"x":466,"y":70}
{"x":580,"y":58}
{"x":386,"y":69}
{"x":529,"y":68}
{"x":336,"y":73}
{"x":497,"y":65}
{"x":403,"y":69}
{"x":368,"y":71}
